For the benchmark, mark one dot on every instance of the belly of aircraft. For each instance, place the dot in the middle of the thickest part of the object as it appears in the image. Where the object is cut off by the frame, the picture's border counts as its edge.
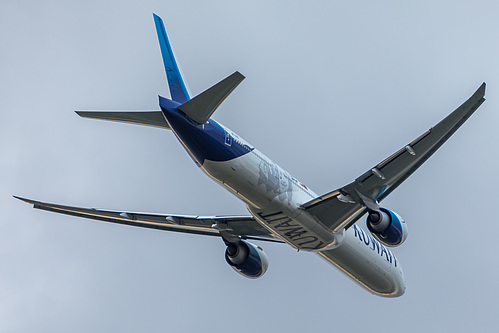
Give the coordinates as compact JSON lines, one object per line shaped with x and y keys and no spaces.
{"x":273,"y":200}
{"x":301,"y":232}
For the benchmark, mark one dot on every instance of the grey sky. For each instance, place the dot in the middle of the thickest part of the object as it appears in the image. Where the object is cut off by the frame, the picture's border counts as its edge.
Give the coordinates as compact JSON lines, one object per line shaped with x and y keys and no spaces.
{"x":331,"y":89}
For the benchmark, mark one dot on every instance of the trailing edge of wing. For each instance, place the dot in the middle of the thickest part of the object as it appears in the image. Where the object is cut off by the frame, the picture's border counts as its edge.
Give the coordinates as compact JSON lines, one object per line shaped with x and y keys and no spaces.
{"x":148,"y":118}
{"x":341,"y":208}
{"x":201,"y":107}
{"x":244,"y":226}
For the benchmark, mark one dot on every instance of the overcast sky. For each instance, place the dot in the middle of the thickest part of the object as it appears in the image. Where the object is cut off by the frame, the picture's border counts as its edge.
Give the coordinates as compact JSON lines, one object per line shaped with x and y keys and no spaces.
{"x":331,"y":89}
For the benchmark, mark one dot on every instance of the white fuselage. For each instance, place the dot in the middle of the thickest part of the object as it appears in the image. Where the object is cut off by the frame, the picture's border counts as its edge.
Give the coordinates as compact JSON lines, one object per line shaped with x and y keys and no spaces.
{"x":274,"y":198}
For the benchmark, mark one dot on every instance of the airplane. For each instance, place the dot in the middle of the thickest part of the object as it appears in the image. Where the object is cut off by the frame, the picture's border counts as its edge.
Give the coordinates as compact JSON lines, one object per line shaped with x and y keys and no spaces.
{"x":281,"y":208}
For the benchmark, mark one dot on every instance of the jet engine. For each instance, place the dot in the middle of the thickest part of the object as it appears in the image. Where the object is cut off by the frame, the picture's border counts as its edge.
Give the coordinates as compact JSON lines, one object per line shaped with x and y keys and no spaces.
{"x":387,"y":227}
{"x":247,"y":259}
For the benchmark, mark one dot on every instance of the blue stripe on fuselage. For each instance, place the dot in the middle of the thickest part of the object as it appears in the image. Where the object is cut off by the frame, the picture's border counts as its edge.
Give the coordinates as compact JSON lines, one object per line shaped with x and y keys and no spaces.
{"x":202,"y":141}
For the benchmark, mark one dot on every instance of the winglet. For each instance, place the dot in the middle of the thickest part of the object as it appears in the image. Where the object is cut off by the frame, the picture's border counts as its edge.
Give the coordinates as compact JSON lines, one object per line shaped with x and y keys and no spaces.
{"x":201,"y":107}
{"x":178,"y":90}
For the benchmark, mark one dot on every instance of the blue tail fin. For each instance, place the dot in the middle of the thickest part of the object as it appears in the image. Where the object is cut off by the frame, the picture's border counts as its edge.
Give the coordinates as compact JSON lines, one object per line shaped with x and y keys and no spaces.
{"x":178,"y":90}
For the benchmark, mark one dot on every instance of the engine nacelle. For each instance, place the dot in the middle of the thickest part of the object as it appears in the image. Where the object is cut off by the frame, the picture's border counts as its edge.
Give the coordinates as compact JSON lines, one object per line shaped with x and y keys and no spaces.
{"x":387,"y":227}
{"x":247,"y":259}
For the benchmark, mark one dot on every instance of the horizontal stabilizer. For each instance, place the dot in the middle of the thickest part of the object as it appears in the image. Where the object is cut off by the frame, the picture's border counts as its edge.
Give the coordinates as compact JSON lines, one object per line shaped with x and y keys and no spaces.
{"x":201,"y":107}
{"x":148,"y":118}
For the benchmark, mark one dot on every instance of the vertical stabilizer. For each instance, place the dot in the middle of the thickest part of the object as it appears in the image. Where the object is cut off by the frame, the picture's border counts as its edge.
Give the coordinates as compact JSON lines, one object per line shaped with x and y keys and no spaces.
{"x":178,"y":90}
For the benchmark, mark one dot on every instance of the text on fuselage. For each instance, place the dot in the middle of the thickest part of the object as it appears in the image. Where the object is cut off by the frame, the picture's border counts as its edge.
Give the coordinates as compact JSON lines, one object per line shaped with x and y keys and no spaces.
{"x":293,"y":231}
{"x":375,"y":245}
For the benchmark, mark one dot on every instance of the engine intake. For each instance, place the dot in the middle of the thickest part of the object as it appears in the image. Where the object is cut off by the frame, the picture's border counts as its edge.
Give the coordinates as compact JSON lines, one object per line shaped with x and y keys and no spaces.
{"x":247,"y":259}
{"x":387,"y":227}
{"x":379,"y":221}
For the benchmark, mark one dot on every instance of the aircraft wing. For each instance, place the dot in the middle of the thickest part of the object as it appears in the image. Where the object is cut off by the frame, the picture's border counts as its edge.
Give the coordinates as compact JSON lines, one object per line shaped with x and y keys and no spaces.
{"x":244,"y":227}
{"x":341,"y":208}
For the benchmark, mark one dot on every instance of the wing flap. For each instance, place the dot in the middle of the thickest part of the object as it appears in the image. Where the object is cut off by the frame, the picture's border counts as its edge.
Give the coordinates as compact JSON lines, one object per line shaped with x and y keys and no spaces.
{"x":244,"y":226}
{"x":334,"y":212}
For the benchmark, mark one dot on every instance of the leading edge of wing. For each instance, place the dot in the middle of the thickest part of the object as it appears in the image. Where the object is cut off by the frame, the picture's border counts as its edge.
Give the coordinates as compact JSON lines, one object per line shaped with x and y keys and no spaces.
{"x":243,"y":226}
